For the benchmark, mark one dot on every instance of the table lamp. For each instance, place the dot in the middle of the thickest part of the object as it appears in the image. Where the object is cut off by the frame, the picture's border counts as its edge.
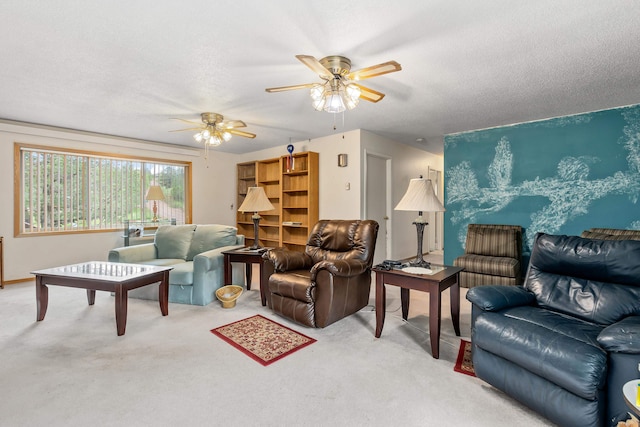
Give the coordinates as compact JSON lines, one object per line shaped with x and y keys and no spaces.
{"x":155,"y":193}
{"x":255,"y":201}
{"x":420,"y":197}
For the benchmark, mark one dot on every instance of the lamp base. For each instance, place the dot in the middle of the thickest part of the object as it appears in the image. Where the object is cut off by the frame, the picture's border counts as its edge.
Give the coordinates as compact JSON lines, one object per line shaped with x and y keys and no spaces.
{"x":419,"y":261}
{"x":256,"y":220}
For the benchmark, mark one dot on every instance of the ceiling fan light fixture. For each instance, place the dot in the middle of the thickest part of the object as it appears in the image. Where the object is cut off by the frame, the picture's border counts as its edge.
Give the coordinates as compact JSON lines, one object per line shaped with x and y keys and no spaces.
{"x":352,"y":92}
{"x":226,"y":136}
{"x":335,"y":102}
{"x":317,"y":92}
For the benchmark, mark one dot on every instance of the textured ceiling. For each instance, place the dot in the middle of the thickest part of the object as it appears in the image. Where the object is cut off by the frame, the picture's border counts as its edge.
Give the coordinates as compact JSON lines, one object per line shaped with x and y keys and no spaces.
{"x":126,"y":68}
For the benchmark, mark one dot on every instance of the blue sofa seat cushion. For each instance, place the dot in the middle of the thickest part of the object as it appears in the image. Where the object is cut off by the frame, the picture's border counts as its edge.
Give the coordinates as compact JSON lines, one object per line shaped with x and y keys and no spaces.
{"x":174,"y":241}
{"x":541,"y":341}
{"x":163,"y":261}
{"x":182,"y":274}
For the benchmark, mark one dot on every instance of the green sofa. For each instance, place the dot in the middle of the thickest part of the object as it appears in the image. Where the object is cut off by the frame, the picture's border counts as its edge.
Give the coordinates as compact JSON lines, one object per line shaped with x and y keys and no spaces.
{"x":194,"y":252}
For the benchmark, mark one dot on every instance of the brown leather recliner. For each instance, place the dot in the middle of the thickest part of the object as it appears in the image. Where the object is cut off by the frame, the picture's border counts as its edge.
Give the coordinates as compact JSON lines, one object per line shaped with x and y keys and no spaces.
{"x":328,"y":281}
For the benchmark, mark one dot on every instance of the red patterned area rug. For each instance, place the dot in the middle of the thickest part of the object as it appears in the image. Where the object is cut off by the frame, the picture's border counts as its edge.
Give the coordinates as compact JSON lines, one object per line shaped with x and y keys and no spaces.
{"x":263,"y":340}
{"x":464,"y":364}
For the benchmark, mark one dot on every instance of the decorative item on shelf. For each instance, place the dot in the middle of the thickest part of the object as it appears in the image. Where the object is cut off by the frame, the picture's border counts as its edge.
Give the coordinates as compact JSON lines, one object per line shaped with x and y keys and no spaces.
{"x":420,"y":197}
{"x":256,"y":201}
{"x":135,"y":231}
{"x":342,"y":160}
{"x":290,"y":162}
{"x":155,"y":193}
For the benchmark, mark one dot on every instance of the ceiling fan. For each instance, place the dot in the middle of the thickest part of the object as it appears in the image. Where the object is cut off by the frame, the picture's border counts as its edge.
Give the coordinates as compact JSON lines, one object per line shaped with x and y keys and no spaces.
{"x":339,"y":90}
{"x":214,"y":129}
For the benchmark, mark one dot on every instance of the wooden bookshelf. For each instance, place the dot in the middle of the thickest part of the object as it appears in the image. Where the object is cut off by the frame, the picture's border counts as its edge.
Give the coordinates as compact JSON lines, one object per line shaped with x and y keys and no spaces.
{"x":246,"y":179}
{"x":299,"y":199}
{"x":292,"y":189}
{"x":268,"y":177}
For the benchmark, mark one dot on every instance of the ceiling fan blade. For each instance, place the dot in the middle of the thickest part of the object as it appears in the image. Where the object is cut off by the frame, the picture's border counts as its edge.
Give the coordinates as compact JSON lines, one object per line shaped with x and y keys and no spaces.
{"x":241,"y":133}
{"x":369,"y":94}
{"x":315,"y":66}
{"x":186,"y":121}
{"x":183,"y":130}
{"x":374,"y":70}
{"x":283,"y":88}
{"x":230,"y":124}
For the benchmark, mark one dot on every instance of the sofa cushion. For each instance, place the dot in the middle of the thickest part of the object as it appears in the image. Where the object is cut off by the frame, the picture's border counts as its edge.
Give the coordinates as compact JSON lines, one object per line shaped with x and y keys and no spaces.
{"x":172,"y":241}
{"x":595,"y":280}
{"x":631,"y":235}
{"x":554,"y":346}
{"x":494,"y":266}
{"x":164,"y":261}
{"x":495,"y":242}
{"x":182,"y":274}
{"x":211,"y":236}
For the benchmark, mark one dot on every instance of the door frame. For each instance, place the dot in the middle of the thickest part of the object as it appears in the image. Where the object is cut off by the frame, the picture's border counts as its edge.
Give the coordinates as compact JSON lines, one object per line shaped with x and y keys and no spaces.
{"x":388,"y":199}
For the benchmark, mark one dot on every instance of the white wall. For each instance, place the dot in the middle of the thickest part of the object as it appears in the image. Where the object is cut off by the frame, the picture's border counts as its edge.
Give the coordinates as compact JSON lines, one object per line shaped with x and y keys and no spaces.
{"x":406,"y":163}
{"x":212,"y":196}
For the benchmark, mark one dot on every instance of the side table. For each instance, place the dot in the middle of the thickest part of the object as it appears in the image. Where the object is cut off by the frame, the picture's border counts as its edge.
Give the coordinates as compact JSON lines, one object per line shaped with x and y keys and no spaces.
{"x":441,"y":278}
{"x":249,"y":257}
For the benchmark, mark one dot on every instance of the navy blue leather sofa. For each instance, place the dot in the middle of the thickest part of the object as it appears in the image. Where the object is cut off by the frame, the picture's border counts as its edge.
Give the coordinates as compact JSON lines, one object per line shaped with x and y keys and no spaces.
{"x":566,"y":341}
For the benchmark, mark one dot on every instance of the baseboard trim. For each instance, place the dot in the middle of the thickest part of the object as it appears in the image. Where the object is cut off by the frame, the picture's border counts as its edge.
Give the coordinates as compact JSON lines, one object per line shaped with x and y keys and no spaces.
{"x":16,"y":281}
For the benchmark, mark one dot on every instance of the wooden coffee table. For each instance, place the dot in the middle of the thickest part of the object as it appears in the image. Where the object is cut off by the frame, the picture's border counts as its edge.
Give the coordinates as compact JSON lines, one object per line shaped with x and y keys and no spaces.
{"x":443,"y":277}
{"x":93,"y":276}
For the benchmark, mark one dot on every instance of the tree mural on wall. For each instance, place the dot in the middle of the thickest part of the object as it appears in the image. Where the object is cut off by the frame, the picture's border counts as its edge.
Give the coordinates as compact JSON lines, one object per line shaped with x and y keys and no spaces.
{"x":568,"y":194}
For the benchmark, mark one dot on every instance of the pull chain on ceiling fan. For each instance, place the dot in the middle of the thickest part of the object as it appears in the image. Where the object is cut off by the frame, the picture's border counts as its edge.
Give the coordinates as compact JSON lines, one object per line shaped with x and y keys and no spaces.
{"x":339,"y":91}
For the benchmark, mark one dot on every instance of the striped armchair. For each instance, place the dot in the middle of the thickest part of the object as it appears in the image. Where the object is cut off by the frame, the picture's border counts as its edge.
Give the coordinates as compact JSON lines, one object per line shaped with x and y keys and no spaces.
{"x":493,"y":256}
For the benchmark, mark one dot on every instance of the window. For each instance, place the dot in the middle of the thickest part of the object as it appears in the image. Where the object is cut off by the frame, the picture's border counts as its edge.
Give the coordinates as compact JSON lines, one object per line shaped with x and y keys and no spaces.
{"x":63,"y":191}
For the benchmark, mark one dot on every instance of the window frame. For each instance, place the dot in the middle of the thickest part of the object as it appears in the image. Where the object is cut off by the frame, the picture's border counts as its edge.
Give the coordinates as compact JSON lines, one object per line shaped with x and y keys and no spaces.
{"x":18,"y":184}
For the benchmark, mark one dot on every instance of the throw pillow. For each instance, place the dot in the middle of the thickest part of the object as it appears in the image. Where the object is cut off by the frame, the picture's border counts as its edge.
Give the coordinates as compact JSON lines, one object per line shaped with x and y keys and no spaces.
{"x":211,"y":236}
{"x":172,"y":241}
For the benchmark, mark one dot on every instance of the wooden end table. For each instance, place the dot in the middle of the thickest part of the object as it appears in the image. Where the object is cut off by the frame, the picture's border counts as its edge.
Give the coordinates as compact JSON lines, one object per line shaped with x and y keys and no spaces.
{"x":93,"y":276}
{"x":249,"y":257}
{"x":443,"y":277}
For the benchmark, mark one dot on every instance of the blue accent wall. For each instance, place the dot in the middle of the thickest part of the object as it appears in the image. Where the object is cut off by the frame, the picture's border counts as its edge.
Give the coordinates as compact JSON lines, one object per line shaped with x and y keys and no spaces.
{"x":558,"y":176}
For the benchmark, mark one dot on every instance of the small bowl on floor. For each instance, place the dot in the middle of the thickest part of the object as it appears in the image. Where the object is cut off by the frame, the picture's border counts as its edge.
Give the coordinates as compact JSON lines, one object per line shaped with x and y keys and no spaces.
{"x":228,"y":295}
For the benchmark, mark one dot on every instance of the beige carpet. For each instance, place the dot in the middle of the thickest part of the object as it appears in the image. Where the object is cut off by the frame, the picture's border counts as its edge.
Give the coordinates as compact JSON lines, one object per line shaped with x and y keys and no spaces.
{"x":73,"y":370}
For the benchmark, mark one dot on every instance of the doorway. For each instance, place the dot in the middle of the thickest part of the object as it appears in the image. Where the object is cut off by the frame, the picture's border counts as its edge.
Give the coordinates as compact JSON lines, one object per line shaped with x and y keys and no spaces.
{"x":377,"y":194}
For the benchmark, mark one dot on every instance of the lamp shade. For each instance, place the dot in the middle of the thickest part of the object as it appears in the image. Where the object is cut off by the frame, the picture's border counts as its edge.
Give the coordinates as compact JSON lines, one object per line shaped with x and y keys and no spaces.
{"x":420,"y":197}
{"x":256,"y":201}
{"x":155,"y":193}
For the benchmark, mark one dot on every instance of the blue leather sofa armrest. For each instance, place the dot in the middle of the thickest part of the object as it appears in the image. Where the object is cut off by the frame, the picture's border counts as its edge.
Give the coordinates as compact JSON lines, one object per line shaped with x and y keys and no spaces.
{"x":622,"y":336}
{"x":133,"y":254}
{"x":496,"y":298}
